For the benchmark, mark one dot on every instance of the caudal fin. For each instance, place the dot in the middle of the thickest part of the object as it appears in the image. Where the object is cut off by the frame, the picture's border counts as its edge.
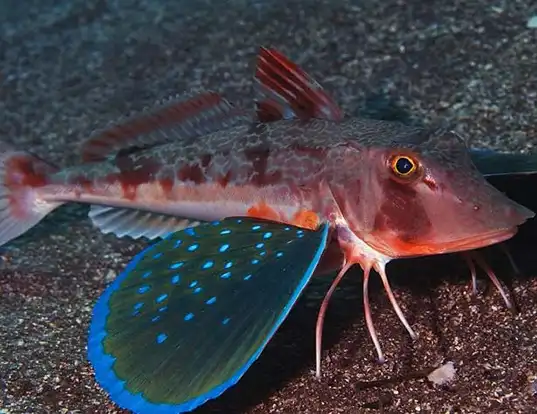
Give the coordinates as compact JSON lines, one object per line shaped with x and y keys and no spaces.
{"x":21,"y":175}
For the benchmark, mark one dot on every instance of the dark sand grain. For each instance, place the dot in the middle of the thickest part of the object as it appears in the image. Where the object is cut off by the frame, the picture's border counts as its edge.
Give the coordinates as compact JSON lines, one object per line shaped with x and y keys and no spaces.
{"x":68,"y":67}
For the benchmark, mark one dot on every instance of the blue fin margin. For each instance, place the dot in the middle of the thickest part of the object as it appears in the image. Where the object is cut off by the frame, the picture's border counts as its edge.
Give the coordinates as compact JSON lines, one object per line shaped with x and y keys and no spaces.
{"x":103,"y":363}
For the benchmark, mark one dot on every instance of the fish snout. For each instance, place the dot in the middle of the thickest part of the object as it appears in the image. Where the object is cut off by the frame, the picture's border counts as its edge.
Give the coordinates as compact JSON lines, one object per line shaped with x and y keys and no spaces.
{"x":504,"y":212}
{"x":496,"y":219}
{"x":517,"y":214}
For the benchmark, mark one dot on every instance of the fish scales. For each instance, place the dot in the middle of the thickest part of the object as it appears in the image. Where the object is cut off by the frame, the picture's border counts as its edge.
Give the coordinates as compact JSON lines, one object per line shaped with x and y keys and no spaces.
{"x":283,"y":155}
{"x":279,"y":164}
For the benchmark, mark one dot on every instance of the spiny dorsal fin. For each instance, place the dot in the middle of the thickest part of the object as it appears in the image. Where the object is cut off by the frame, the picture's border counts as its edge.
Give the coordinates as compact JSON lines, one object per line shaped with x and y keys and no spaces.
{"x":181,"y":118}
{"x":136,"y":223}
{"x":286,"y":91}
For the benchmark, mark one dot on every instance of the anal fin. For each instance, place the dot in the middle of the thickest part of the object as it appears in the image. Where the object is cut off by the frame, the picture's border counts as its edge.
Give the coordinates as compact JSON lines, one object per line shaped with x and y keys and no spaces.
{"x":136,"y":223}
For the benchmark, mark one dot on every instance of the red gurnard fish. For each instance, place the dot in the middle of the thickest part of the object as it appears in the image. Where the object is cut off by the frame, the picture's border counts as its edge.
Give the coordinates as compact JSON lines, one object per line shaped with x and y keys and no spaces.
{"x":387,"y":190}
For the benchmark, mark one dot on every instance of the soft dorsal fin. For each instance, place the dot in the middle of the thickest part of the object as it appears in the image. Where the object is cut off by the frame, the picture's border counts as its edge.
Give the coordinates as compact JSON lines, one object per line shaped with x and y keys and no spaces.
{"x":181,"y":118}
{"x":286,"y":91}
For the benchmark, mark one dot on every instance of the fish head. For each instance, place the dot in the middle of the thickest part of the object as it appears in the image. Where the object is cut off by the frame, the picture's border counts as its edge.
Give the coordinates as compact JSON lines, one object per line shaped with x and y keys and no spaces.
{"x":424,"y":196}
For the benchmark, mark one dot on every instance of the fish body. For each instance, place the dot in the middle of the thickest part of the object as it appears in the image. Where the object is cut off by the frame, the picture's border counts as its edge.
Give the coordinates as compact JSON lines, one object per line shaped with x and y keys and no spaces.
{"x":240,"y":171}
{"x":385,"y":190}
{"x":286,"y":170}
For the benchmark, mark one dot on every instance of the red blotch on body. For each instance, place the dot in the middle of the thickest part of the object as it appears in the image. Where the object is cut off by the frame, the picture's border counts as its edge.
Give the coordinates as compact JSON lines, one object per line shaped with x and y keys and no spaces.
{"x":166,"y":184}
{"x":259,"y":160}
{"x":132,"y":173}
{"x":224,"y":179}
{"x":26,"y":171}
{"x":402,"y":221}
{"x":129,"y":189}
{"x":166,"y":178}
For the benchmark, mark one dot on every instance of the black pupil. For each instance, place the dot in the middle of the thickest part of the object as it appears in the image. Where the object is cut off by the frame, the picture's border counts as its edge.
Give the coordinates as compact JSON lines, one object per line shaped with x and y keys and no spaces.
{"x":403,"y":165}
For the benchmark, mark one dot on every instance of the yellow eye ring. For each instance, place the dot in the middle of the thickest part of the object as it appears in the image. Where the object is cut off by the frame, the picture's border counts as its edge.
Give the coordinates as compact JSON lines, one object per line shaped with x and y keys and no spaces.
{"x":403,"y":166}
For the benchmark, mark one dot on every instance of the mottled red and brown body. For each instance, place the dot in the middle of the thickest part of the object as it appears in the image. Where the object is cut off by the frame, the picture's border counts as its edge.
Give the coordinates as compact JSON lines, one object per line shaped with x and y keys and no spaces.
{"x":280,"y":170}
{"x":258,"y":170}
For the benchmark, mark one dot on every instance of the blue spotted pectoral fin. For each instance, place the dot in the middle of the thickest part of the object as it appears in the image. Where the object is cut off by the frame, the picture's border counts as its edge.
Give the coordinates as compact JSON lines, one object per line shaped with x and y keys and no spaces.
{"x":191,"y":314}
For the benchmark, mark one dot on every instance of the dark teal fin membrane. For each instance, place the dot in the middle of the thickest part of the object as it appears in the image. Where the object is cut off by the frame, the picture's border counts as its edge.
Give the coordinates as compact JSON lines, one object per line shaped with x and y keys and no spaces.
{"x":491,"y":163}
{"x":190,"y":314}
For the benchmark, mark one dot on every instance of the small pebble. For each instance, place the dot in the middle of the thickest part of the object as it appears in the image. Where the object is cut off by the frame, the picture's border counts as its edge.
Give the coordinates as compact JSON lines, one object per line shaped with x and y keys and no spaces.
{"x":110,"y":275}
{"x":443,"y":375}
{"x":532,"y":23}
{"x":533,"y":385}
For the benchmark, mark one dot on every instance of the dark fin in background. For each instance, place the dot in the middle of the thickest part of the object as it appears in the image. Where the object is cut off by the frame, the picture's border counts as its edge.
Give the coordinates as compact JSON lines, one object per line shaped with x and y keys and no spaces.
{"x":491,"y":163}
{"x":379,"y":106}
{"x":181,"y":118}
{"x":136,"y":223}
{"x":20,"y":174}
{"x":189,"y":315}
{"x":286,"y":91}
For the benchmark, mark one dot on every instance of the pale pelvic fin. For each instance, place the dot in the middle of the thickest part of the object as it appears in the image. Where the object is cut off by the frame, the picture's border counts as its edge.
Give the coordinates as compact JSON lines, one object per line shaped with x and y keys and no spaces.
{"x":136,"y":223}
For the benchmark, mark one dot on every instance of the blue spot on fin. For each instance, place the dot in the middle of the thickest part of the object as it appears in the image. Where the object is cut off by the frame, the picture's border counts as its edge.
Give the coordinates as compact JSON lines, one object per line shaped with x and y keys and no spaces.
{"x":127,"y":352}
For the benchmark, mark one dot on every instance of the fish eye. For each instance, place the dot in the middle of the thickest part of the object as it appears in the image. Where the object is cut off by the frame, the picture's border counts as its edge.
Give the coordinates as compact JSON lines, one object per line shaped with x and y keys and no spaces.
{"x":403,"y":166}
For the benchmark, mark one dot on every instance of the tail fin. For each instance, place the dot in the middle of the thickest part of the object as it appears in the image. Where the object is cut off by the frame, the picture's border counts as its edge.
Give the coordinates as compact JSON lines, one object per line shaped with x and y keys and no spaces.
{"x":21,"y":174}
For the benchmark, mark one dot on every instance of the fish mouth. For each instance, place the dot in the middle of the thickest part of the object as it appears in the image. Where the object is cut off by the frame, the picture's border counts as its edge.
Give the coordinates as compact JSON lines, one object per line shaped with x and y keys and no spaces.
{"x":399,"y":248}
{"x":482,"y":240}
